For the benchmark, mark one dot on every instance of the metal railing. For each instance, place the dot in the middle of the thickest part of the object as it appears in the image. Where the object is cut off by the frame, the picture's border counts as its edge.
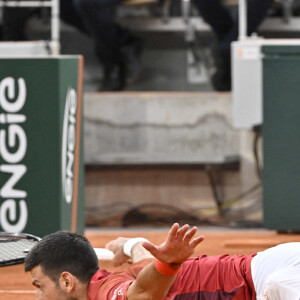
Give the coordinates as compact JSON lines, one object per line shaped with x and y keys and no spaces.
{"x":54,"y":6}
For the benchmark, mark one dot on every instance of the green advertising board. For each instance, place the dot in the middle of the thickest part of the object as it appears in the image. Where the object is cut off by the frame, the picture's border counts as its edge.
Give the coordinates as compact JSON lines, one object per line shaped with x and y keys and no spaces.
{"x":41,"y":157}
{"x":281,"y":129}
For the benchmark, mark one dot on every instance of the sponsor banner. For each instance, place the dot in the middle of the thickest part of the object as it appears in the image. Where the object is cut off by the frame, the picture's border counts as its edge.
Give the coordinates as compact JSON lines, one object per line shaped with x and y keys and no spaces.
{"x":41,"y":159}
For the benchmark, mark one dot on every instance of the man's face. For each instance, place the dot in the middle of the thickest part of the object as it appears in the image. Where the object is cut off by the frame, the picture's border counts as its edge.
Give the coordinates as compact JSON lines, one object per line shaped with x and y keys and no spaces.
{"x":46,"y":289}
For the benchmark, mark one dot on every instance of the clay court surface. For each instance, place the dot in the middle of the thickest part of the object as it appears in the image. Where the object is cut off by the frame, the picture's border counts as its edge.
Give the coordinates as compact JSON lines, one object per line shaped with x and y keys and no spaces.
{"x":15,"y":284}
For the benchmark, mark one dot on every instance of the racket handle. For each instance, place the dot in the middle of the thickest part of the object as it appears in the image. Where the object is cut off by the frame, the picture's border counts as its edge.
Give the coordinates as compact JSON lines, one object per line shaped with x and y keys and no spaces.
{"x":104,"y":254}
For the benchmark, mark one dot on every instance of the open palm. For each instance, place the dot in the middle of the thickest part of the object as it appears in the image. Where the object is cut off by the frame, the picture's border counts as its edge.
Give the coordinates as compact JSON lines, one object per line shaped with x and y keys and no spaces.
{"x":178,"y":246}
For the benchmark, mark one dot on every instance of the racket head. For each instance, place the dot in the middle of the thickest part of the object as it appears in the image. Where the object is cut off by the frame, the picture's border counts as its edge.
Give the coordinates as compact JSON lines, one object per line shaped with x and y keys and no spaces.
{"x":15,"y":246}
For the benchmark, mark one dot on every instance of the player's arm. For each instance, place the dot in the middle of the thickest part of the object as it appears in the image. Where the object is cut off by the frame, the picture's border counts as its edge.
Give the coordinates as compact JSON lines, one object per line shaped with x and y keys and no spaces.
{"x":155,"y":280}
{"x":127,"y":250}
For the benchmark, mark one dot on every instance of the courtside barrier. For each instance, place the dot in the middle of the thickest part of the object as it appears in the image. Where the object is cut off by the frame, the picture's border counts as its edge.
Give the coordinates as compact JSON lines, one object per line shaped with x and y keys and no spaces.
{"x":41,"y":155}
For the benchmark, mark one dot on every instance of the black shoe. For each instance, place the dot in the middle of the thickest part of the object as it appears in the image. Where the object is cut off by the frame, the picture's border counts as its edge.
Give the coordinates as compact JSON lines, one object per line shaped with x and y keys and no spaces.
{"x":114,"y":78}
{"x":131,"y":54}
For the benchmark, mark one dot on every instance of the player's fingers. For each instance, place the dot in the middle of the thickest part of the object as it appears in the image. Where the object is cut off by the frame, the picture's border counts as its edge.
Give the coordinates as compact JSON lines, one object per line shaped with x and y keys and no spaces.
{"x":188,"y":236}
{"x":150,"y":247}
{"x":173,"y":232}
{"x":182,"y":231}
{"x":196,"y":241}
{"x":109,"y":246}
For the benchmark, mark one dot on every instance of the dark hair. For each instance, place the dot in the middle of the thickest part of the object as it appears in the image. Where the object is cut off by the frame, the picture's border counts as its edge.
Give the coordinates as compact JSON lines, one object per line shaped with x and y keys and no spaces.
{"x":63,"y":251}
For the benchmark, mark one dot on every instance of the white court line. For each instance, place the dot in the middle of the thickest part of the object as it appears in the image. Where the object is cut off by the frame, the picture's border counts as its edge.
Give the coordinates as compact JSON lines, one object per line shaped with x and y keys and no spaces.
{"x":17,"y":292}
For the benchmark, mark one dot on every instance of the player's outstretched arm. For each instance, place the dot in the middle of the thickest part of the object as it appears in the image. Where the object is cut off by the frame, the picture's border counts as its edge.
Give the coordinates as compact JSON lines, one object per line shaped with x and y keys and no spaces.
{"x":154,"y":281}
{"x":136,"y":253}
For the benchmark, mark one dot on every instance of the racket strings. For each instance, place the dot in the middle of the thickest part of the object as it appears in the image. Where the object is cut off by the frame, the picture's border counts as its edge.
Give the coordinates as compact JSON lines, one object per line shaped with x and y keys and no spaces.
{"x":14,"y":249}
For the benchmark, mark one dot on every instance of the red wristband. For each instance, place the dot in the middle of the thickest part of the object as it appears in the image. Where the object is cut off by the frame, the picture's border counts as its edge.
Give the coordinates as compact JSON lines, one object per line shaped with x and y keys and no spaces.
{"x":164,"y":268}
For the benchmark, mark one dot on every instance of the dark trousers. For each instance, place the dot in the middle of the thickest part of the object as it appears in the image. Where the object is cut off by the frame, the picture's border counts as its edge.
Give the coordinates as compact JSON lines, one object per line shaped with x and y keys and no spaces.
{"x":110,"y":38}
{"x":15,"y":19}
{"x":95,"y":17}
{"x":225,"y":25}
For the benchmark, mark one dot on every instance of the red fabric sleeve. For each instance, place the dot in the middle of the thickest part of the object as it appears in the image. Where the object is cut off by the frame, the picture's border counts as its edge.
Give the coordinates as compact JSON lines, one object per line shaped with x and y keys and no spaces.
{"x":112,"y":286}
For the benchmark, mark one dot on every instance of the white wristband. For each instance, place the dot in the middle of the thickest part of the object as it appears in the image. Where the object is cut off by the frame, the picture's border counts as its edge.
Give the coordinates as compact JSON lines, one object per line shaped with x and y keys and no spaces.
{"x":127,"y":247}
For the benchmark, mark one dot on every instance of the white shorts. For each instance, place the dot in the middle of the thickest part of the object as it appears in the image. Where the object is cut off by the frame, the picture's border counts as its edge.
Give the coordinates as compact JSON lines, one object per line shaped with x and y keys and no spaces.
{"x":276,"y":273}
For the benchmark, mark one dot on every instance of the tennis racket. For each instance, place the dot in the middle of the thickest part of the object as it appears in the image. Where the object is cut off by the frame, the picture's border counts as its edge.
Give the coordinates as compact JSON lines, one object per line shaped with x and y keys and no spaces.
{"x":14,"y":247}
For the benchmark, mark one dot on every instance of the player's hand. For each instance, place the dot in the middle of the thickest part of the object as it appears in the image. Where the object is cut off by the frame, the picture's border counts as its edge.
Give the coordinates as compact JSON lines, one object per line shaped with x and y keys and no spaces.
{"x":116,"y":246}
{"x":179,"y":245}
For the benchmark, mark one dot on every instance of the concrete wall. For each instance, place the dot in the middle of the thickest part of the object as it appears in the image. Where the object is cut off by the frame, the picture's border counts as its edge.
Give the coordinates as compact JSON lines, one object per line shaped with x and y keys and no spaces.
{"x":159,"y":127}
{"x":131,"y":137}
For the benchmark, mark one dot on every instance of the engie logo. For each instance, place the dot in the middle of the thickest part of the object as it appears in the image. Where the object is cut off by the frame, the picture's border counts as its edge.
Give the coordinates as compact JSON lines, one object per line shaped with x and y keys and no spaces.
{"x":13,"y":148}
{"x":68,"y":144}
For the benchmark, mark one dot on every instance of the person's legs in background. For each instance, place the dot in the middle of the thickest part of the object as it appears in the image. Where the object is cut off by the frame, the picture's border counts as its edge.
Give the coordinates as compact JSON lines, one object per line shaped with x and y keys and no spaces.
{"x":70,"y":15}
{"x":226,"y":29}
{"x":256,"y":12}
{"x":116,"y":47}
{"x":222,"y":23}
{"x":216,"y":15}
{"x":15,"y":19}
{"x":14,"y":23}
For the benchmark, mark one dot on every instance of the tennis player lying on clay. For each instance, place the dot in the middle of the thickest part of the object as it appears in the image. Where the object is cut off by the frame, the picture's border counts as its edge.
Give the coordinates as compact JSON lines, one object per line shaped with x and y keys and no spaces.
{"x":64,"y":266}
